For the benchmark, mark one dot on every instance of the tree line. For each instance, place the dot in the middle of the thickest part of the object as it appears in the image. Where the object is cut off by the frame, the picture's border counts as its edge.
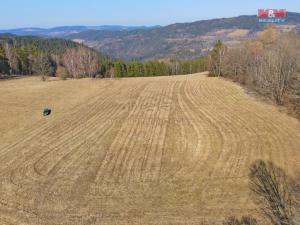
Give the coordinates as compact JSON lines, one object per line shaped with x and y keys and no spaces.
{"x":119,"y":68}
{"x":41,"y":56}
{"x":269,"y":64}
{"x":25,"y":60}
{"x":57,"y":57}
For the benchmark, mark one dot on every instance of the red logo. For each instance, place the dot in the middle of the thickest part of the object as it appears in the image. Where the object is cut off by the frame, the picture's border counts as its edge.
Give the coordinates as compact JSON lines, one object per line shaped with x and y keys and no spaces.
{"x":271,"y":13}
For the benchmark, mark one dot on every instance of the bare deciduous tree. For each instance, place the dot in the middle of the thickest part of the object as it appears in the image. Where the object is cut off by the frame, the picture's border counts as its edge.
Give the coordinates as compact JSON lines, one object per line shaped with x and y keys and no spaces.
{"x":43,"y":65}
{"x":234,"y":65}
{"x":268,"y":64}
{"x":81,"y":62}
{"x":279,"y":64}
{"x":90,"y":62}
{"x":274,"y":192}
{"x":268,"y":36}
{"x":70,"y":62}
{"x":12,"y":58}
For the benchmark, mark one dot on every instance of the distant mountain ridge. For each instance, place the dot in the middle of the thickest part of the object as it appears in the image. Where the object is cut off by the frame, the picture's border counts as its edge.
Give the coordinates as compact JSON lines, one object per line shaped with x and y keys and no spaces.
{"x":180,"y":40}
{"x":64,"y":31}
{"x":175,"y":41}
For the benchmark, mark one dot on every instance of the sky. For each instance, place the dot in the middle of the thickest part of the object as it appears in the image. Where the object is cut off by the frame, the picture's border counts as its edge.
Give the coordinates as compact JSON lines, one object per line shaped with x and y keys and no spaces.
{"x":51,"y":13}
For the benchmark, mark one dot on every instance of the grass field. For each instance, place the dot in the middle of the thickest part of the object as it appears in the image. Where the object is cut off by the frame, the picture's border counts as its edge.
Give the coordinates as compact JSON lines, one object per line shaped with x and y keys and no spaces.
{"x":163,"y":150}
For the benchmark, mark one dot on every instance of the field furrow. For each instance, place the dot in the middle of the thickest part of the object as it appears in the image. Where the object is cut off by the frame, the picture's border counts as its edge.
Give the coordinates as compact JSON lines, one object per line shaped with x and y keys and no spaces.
{"x":163,"y":150}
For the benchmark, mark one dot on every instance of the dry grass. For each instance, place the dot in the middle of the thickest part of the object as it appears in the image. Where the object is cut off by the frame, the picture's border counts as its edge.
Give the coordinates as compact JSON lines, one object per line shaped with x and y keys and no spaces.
{"x":238,"y":33}
{"x":164,"y":150}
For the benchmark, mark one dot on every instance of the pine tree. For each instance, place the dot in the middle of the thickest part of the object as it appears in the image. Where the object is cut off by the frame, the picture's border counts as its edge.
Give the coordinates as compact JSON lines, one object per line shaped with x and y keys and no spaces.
{"x":4,"y":66}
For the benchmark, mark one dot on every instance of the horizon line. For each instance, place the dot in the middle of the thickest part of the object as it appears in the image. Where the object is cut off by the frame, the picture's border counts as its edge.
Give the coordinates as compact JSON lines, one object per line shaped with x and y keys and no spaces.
{"x":131,"y":25}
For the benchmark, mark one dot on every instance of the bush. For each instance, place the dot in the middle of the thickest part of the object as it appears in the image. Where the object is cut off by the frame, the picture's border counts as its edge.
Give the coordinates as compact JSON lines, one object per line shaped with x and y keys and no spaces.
{"x":245,"y":220}
{"x":44,"y":78}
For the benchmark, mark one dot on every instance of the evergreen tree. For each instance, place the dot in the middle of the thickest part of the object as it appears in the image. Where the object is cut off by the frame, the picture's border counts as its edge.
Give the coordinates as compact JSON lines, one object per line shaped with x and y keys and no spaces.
{"x":4,"y":66}
{"x":216,"y":57}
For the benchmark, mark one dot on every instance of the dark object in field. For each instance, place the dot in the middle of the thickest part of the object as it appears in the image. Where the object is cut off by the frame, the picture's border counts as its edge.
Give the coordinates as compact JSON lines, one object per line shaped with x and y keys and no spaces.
{"x":46,"y":112}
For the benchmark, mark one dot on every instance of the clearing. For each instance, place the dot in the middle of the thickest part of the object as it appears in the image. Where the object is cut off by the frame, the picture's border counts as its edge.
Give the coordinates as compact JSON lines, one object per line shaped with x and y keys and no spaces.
{"x":162,"y":150}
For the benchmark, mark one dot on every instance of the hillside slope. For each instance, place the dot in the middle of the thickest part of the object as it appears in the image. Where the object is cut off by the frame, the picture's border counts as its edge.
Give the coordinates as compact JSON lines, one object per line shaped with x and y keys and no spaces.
{"x":164,"y":150}
{"x":181,"y":40}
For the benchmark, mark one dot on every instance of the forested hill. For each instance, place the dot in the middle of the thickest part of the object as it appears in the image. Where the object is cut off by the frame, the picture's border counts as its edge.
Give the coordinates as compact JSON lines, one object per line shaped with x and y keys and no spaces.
{"x":29,"y":55}
{"x":49,"y":45}
{"x":180,"y":40}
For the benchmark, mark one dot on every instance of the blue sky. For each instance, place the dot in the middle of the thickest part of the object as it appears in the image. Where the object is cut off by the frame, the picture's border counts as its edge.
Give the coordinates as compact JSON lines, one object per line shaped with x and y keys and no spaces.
{"x":49,"y":13}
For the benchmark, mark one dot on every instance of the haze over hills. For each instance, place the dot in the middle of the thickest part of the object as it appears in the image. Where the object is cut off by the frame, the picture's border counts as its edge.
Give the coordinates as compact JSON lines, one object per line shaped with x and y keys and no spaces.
{"x":180,"y":40}
{"x":64,"y":31}
{"x":175,"y":41}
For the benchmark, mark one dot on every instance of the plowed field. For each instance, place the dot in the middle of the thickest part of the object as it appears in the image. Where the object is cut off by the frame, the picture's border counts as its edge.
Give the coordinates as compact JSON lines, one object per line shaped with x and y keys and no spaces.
{"x":163,"y":150}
